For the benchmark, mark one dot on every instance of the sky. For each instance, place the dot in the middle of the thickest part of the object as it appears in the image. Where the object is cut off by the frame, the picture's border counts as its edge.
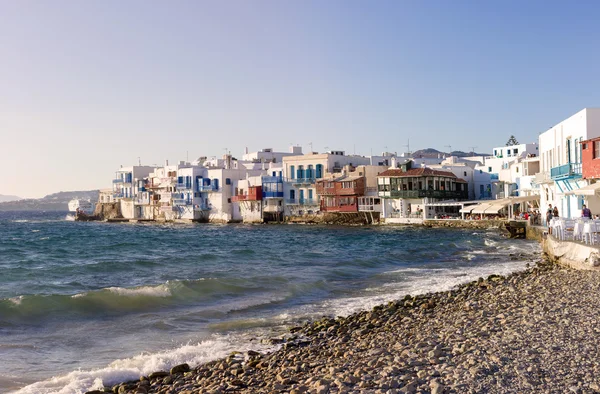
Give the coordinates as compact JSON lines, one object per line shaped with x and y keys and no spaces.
{"x":88,"y":86}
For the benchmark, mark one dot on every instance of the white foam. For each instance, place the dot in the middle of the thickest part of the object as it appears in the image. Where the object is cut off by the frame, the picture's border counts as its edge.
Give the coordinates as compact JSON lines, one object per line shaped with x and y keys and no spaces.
{"x":148,"y":291}
{"x":16,"y":300}
{"x":443,"y":280}
{"x":80,"y":381}
{"x":70,"y":218}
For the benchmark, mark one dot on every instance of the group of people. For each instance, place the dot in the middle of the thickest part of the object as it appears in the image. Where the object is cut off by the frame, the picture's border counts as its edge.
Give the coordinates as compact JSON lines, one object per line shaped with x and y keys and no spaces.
{"x":552,"y":212}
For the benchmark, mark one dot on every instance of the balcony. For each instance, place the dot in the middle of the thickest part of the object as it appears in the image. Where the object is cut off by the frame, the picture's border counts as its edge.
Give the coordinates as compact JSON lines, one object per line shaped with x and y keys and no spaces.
{"x":571,"y":170}
{"x":201,"y":207}
{"x":272,"y":179}
{"x":440,"y":194}
{"x":301,"y":181}
{"x":369,"y":208}
{"x":207,"y":188}
{"x":272,"y":194}
{"x":494,"y":177}
{"x":244,"y":197}
{"x":118,"y":180}
{"x":181,"y":201}
{"x":183,"y":186}
{"x":304,"y":201}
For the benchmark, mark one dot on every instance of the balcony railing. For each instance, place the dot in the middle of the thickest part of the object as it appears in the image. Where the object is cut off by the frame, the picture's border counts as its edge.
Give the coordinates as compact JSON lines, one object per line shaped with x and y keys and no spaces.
{"x":304,"y":201}
{"x":441,"y":194}
{"x":202,"y":207}
{"x":494,"y":176}
{"x":301,"y":181}
{"x":370,"y":208}
{"x":272,"y":179}
{"x":571,"y":170}
{"x":184,"y":186}
{"x":207,"y":188}
{"x":118,"y":180}
{"x":245,"y":197}
{"x":272,"y":194}
{"x":181,"y":201}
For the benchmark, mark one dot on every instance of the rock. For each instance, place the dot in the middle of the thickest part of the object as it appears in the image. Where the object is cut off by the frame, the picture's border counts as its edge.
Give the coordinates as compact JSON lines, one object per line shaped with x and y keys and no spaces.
{"x":158,"y":374}
{"x":181,"y":368}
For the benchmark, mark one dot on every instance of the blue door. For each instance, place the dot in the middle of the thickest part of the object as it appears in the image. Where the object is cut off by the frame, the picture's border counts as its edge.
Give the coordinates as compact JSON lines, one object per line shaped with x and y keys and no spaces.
{"x":292,"y":195}
{"x":301,"y":196}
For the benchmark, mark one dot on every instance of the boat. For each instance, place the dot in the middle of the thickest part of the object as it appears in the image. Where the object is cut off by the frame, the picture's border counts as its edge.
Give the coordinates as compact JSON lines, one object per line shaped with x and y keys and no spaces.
{"x":81,"y":205}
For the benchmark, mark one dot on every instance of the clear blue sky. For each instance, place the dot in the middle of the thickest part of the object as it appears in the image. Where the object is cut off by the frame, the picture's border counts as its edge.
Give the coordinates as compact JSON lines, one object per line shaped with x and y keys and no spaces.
{"x":87,"y":86}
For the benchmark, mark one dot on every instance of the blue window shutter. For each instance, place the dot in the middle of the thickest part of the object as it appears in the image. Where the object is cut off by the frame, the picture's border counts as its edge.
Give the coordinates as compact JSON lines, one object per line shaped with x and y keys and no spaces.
{"x":216,"y":183}
{"x":227,"y":181}
{"x":292,"y":172}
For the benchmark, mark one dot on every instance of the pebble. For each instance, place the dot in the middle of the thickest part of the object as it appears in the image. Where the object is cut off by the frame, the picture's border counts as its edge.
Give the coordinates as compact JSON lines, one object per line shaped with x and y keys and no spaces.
{"x":533,"y":331}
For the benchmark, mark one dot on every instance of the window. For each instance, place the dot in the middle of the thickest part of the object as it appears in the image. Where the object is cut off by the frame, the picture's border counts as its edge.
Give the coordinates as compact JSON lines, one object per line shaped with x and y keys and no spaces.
{"x":229,"y":200}
{"x":597,"y":149}
{"x":227,"y":181}
{"x":584,"y":146}
{"x":465,"y":173}
{"x":489,"y":169}
{"x":517,"y":169}
{"x":292,"y":172}
{"x":319,"y":171}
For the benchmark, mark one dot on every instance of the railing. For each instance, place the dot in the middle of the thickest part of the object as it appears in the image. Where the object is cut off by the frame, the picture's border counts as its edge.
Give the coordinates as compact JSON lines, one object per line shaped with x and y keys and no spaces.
{"x":340,"y":208}
{"x":370,"y":208}
{"x":245,"y":197}
{"x":272,"y":179}
{"x":542,"y":177}
{"x":184,"y":186}
{"x":494,"y":176}
{"x":304,"y":201}
{"x":207,"y":188}
{"x":301,"y":180}
{"x":371,"y":190}
{"x":181,"y":201}
{"x":442,"y":194}
{"x":566,"y":170}
{"x":118,"y":180}
{"x":272,"y":194}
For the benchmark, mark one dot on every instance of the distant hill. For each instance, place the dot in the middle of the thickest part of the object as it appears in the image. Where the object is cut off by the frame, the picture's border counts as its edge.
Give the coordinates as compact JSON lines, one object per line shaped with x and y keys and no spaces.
{"x":430,"y":152}
{"x":52,"y":202}
{"x":5,"y":198}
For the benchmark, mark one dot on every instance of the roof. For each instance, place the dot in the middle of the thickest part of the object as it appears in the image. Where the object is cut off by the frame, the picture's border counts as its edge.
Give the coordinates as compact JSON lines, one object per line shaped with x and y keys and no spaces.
{"x":417,"y":172}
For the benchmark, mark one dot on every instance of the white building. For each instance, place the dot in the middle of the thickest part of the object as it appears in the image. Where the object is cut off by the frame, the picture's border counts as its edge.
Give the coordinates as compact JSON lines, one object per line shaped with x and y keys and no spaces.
{"x":560,"y":161}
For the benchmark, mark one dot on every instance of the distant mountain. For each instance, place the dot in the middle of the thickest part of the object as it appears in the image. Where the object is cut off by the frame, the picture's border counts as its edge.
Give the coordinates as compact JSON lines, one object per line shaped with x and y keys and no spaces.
{"x":52,"y":202}
{"x":430,"y":152}
{"x":5,"y":198}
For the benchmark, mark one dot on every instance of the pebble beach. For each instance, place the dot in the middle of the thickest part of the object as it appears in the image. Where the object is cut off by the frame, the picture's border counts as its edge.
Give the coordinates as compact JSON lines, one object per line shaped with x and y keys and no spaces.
{"x":533,"y":331}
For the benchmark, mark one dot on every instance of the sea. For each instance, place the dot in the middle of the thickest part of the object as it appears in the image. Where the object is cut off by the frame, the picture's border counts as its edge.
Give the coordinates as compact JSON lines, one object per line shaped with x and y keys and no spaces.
{"x":88,"y":304}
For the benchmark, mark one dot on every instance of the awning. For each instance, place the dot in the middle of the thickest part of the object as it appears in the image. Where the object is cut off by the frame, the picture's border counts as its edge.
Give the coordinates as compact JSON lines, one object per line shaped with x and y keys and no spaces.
{"x":516,"y":200}
{"x":589,"y":190}
{"x":481,"y":208}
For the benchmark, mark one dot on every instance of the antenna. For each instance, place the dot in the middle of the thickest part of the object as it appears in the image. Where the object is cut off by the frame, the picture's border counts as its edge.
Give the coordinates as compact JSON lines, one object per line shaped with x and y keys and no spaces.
{"x":139,"y":161}
{"x":187,"y":155}
{"x":310,"y":143}
{"x":473,"y":150}
{"x":407,"y":146}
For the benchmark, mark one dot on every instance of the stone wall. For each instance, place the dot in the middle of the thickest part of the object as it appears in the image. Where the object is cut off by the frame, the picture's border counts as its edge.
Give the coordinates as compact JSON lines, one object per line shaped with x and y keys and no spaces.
{"x":108,"y":210}
{"x":496,"y":224}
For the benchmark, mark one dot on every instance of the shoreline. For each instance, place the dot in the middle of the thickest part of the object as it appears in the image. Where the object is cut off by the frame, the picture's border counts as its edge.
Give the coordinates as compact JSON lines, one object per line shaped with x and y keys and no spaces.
{"x":499,"y":334}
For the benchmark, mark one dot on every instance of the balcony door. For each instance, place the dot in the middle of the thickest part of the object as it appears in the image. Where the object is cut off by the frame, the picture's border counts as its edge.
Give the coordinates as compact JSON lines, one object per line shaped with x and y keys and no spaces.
{"x":301,"y":196}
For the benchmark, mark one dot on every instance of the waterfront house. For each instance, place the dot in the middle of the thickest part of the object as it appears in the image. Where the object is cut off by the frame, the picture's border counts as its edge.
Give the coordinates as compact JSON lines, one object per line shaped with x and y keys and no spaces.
{"x":247,"y":200}
{"x":301,"y":173}
{"x":406,"y":191}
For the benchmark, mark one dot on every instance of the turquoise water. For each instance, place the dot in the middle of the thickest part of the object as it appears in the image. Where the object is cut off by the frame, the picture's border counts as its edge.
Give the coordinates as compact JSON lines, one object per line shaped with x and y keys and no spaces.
{"x":86,"y":304}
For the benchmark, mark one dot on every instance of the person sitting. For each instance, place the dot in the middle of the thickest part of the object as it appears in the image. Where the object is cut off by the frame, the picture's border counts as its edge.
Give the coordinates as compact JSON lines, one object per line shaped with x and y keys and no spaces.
{"x":585,"y":212}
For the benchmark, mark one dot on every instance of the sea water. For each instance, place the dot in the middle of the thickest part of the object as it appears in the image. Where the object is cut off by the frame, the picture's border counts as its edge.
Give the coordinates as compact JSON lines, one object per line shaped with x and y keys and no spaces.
{"x":87,"y":304}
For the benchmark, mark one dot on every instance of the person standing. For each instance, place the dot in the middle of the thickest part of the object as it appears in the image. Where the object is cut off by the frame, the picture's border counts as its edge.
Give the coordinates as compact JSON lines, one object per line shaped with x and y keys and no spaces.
{"x":549,"y":214}
{"x":555,"y":212}
{"x":586,"y":213}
